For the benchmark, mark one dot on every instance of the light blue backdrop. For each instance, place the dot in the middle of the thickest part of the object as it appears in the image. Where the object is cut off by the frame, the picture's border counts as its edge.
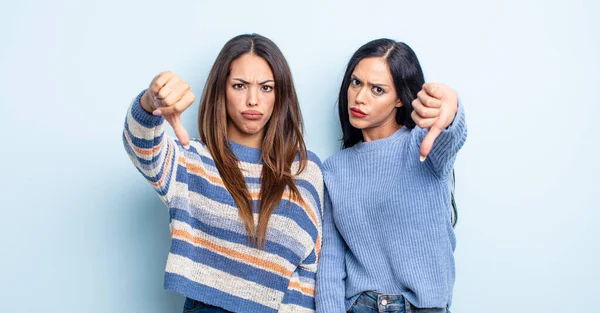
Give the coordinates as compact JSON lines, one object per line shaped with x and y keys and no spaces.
{"x":82,"y":231}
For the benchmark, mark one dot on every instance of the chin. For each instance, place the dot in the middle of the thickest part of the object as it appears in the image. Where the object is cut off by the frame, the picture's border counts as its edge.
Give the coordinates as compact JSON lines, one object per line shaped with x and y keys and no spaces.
{"x":358,"y":124}
{"x":252,"y":129}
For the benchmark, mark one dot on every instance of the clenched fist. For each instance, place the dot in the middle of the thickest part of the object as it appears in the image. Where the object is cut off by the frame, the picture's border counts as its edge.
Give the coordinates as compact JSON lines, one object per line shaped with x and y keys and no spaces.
{"x":434,"y":109}
{"x":168,"y":96}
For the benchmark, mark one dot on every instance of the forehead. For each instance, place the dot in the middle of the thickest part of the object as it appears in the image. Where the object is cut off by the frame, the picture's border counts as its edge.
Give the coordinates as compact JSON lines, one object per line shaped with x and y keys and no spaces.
{"x":250,"y":66}
{"x":373,"y":69}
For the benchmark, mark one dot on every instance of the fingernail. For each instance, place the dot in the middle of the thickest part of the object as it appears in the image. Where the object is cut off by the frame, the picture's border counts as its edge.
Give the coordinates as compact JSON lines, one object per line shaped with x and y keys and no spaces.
{"x":422,"y":158}
{"x":157,"y":112}
{"x":187,"y":147}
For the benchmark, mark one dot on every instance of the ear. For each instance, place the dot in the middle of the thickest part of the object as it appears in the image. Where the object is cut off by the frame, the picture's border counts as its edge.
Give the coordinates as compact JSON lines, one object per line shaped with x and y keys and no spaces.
{"x":398,"y":103}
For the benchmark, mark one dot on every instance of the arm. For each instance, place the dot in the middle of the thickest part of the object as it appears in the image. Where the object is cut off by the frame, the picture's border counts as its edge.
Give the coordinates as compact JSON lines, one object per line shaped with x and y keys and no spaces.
{"x":446,"y":146}
{"x":152,"y":152}
{"x":441,"y":130}
{"x":331,"y":290}
{"x":300,"y":295}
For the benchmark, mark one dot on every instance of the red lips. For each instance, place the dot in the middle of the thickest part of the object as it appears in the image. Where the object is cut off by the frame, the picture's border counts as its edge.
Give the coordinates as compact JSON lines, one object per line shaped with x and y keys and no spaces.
{"x":357,"y":113}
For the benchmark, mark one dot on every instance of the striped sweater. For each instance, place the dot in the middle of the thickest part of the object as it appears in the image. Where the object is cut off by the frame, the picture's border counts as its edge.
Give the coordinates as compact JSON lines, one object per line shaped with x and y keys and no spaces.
{"x":211,"y":259}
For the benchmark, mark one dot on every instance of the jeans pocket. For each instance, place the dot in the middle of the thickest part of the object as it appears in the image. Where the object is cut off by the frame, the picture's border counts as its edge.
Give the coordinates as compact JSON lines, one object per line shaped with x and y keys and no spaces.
{"x":190,"y":305}
{"x":359,"y":307}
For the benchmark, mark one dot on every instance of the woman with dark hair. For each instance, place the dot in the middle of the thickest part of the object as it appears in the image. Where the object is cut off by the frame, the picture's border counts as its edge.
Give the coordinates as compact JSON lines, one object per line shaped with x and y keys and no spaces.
{"x":245,"y":198}
{"x":388,"y":236}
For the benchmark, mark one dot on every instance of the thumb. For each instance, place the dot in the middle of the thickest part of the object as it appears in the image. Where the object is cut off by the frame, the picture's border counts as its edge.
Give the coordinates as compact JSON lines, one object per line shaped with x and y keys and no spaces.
{"x":429,"y":139}
{"x":180,"y":131}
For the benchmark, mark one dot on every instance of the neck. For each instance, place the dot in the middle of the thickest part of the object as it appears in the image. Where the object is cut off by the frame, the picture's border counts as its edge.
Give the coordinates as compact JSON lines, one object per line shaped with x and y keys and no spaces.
{"x":248,"y":140}
{"x":381,"y":131}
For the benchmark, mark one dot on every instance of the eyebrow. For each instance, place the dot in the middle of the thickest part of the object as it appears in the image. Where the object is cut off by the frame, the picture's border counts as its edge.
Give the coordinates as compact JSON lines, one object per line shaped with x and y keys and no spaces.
{"x":370,"y":83}
{"x":261,"y":83}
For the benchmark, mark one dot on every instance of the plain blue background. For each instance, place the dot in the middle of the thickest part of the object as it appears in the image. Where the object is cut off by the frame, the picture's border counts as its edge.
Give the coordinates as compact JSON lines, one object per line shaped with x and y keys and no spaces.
{"x":82,"y":231}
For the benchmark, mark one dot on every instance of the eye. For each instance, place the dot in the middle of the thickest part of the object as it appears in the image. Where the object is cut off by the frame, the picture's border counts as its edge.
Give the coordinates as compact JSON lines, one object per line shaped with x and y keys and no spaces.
{"x":354,"y":82}
{"x":238,"y":86}
{"x":267,"y":88}
{"x":378,"y":90}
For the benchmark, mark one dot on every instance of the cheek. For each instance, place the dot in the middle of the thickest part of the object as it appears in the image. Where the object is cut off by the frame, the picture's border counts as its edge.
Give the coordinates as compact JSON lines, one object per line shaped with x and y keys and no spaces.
{"x":351,"y":95}
{"x":230,"y":110}
{"x":229,"y":106}
{"x":384,"y":104}
{"x":269,"y":103}
{"x":234,"y":100}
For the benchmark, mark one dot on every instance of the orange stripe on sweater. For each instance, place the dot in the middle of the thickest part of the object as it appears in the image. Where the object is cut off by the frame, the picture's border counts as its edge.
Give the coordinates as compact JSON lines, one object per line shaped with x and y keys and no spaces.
{"x":233,"y":254}
{"x":305,"y":290}
{"x":166,"y":167}
{"x":152,"y":151}
{"x":198,"y":170}
{"x":318,"y":247}
{"x":144,"y":151}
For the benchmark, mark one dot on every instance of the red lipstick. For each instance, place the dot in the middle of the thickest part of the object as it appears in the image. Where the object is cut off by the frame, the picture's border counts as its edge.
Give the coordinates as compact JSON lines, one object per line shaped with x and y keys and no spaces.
{"x":357,"y":113}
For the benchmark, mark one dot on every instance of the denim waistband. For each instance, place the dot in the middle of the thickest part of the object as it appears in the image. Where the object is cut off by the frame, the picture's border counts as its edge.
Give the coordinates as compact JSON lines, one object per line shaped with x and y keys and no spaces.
{"x":389,"y":303}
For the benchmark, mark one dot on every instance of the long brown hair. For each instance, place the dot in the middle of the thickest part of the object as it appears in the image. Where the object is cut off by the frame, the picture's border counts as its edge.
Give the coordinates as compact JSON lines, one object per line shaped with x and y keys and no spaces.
{"x":282,"y":140}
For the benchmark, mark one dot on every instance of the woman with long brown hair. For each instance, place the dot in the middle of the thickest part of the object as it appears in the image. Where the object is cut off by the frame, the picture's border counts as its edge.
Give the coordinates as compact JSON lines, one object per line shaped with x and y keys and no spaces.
{"x":245,"y":199}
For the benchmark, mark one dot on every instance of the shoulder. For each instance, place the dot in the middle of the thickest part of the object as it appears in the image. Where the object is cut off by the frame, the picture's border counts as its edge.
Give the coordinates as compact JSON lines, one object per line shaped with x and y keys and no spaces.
{"x":198,"y":151}
{"x":313,"y":169}
{"x":314,"y":159}
{"x":337,"y":160}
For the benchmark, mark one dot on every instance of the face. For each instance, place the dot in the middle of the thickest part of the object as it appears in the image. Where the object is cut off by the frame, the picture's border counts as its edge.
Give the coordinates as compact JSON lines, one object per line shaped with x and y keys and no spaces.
{"x":372,"y":98}
{"x":250,"y":97}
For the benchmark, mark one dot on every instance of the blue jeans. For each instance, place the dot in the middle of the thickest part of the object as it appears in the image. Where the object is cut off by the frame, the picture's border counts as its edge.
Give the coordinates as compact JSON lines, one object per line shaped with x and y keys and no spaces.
{"x":373,"y":302}
{"x":193,"y":306}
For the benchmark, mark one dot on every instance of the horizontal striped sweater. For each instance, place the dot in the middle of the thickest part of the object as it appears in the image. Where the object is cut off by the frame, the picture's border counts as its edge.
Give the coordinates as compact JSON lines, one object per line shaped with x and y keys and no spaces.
{"x":211,"y":259}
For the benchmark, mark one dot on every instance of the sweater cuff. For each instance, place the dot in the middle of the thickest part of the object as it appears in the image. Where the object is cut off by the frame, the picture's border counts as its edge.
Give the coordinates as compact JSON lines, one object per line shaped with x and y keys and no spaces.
{"x":449,"y":136}
{"x":141,"y":116}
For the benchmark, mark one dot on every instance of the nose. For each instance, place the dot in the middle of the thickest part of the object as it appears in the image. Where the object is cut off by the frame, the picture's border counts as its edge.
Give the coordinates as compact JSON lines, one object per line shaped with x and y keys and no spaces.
{"x":360,"y":96}
{"x":252,"y":97}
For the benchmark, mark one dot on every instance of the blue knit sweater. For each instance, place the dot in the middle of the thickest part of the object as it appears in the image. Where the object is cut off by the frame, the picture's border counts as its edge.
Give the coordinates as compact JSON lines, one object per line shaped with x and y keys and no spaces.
{"x":387,"y":226}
